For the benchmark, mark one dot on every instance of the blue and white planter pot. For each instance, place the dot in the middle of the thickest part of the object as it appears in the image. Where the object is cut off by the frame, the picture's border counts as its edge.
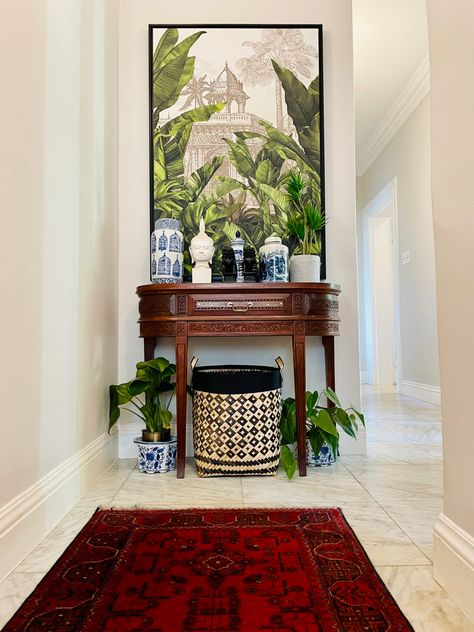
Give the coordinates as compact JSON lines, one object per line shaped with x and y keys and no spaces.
{"x":156,"y":458}
{"x":325,"y":456}
{"x":273,"y":261}
{"x":167,"y":247}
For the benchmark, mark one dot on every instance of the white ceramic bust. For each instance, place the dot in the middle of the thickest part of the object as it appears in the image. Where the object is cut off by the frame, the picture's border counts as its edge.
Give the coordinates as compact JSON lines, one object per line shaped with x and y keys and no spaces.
{"x":201,"y":250}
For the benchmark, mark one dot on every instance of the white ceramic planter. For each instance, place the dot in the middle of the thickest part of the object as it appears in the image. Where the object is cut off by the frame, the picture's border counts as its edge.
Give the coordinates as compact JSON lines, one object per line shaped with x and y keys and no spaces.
{"x":156,"y":458}
{"x":305,"y":268}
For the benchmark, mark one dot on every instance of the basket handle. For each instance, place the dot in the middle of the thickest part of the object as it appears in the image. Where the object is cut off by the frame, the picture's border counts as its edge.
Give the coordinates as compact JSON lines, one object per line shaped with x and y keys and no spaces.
{"x":279,"y":363}
{"x":194,"y":362}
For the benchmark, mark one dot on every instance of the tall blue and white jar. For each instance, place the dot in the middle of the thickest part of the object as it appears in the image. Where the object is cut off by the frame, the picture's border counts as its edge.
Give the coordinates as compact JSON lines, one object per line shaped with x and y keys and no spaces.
{"x":273,"y":261}
{"x":167,"y":247}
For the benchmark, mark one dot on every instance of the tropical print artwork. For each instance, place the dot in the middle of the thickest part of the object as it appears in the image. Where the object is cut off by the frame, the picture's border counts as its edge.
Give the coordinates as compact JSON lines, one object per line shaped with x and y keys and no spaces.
{"x":234,"y":111}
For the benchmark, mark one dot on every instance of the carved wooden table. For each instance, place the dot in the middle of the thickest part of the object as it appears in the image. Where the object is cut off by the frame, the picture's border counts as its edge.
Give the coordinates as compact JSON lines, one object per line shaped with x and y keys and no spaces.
{"x":240,"y":309}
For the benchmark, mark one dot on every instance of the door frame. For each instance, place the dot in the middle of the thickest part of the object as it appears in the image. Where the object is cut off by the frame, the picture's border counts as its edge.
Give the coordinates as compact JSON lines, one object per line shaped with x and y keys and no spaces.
{"x":379,"y":203}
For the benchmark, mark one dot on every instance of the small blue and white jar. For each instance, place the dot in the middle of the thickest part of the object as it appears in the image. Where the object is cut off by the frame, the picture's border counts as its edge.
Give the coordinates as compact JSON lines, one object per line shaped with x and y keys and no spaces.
{"x":156,"y":458}
{"x":167,"y":247}
{"x":273,"y":261}
{"x":325,"y":456}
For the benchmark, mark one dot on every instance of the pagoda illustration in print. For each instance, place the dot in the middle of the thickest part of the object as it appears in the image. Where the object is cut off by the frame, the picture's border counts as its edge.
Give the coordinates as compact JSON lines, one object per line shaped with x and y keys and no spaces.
{"x":233,"y":110}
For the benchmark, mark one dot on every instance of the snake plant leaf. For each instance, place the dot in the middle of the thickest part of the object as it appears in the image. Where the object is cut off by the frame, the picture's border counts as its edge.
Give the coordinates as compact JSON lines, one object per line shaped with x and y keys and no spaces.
{"x":241,"y":158}
{"x":300,"y":103}
{"x":322,"y":419}
{"x":199,"y":179}
{"x":164,"y":46}
{"x":288,"y":461}
{"x":199,"y":114}
{"x":331,"y":396}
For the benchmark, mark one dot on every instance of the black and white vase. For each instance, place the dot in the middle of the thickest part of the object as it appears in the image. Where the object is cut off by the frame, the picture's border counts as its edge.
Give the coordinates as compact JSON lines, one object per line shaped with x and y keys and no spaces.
{"x":273,"y":261}
{"x":167,"y":246}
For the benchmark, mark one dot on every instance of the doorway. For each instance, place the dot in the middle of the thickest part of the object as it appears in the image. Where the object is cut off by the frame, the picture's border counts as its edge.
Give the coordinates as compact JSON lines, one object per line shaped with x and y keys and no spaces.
{"x":381,"y":289}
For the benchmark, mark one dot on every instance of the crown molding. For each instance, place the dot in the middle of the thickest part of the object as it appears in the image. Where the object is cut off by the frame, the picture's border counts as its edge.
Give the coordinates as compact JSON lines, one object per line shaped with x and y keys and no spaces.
{"x":412,"y":95}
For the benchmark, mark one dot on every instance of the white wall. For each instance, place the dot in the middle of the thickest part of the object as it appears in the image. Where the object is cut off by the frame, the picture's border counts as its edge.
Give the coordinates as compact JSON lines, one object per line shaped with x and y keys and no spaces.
{"x":336,"y":18}
{"x":59,"y":246}
{"x":407,"y":157}
{"x":451,"y":40}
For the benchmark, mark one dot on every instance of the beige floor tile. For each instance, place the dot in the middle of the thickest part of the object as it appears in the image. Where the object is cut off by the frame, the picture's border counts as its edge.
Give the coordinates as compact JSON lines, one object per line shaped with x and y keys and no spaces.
{"x":55,"y":543}
{"x":423,"y":601}
{"x":14,"y":589}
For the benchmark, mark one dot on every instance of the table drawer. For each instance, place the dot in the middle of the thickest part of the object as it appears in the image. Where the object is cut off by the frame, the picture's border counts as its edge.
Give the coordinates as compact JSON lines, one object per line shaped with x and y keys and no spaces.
{"x":226,"y":304}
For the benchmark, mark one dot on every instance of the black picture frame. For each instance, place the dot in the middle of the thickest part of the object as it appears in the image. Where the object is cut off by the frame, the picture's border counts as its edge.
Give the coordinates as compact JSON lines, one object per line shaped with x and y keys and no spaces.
{"x":319,"y":29}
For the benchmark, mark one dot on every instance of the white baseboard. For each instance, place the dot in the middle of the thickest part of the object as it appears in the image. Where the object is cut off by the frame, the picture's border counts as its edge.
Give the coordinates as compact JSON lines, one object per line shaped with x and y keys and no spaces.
{"x":425,"y":392}
{"x":453,"y":562}
{"x":26,"y":519}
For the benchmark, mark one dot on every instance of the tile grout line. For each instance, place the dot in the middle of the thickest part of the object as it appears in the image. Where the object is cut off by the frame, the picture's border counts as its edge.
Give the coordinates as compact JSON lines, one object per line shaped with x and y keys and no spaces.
{"x":430,"y":562}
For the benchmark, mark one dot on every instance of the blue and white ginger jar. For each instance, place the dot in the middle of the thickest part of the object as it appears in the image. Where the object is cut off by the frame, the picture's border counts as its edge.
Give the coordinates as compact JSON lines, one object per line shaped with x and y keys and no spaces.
{"x":273,"y":261}
{"x":167,"y":247}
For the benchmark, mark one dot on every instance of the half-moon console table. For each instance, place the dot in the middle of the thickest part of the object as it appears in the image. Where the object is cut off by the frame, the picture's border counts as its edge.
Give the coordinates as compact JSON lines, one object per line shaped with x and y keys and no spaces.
{"x":240,"y":309}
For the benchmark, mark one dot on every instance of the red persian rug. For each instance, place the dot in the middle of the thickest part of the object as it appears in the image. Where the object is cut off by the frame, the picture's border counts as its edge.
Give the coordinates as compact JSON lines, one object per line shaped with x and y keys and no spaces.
{"x":283,"y":570}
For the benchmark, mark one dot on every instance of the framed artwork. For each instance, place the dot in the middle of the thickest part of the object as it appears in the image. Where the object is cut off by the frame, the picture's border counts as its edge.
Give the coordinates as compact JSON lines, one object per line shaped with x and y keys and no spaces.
{"x":234,"y":109}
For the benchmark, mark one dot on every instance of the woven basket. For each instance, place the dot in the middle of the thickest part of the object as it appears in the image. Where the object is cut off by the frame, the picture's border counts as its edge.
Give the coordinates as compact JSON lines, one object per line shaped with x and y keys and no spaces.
{"x":236,"y":419}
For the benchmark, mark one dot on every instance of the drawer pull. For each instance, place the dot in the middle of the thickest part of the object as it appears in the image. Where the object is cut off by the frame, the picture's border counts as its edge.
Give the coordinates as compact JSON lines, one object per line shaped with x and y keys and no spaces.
{"x":240,"y":306}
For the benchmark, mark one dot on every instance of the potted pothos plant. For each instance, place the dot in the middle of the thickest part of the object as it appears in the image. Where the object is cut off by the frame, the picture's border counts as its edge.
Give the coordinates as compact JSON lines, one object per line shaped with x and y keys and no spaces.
{"x":322,"y":434}
{"x":148,"y":396}
{"x":305,"y":224}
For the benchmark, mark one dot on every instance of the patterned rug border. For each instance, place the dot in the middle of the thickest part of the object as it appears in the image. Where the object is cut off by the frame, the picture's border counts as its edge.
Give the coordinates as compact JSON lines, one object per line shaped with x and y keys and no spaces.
{"x":73,"y":545}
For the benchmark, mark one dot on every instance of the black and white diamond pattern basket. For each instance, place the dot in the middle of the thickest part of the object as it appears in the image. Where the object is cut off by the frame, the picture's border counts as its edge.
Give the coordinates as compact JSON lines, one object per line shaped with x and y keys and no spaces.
{"x":236,"y":419}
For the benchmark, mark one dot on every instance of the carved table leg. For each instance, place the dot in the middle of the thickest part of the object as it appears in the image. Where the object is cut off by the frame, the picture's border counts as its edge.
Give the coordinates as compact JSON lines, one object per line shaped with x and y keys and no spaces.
{"x":149,"y":345}
{"x":181,"y":380}
{"x":300,"y":393}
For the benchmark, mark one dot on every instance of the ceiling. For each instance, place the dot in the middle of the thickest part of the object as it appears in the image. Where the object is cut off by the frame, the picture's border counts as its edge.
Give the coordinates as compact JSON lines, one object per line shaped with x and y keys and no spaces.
{"x":390,"y":44}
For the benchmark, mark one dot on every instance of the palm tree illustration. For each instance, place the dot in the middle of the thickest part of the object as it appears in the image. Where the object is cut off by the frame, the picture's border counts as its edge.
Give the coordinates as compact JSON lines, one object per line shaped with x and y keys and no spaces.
{"x":288,"y":48}
{"x":196,"y":92}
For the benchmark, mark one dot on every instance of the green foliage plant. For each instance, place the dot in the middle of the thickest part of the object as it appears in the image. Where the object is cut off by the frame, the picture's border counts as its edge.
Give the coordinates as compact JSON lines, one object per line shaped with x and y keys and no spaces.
{"x":306,"y":220}
{"x":322,"y":423}
{"x":146,"y":392}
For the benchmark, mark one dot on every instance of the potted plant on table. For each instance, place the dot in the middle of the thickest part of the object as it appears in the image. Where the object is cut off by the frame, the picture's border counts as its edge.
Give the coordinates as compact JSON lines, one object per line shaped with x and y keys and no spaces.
{"x":305,"y":224}
{"x":322,"y":423}
{"x":149,"y":396}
